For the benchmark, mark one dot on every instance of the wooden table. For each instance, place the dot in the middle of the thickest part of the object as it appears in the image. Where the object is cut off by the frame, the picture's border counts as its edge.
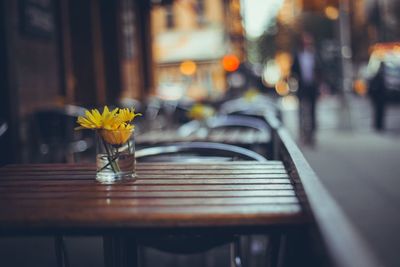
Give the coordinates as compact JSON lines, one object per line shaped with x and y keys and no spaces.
{"x":231,"y":196}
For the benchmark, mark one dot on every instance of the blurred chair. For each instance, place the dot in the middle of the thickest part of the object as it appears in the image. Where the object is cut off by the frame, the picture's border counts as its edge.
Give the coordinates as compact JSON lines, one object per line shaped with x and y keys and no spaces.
{"x":237,"y":121}
{"x":227,"y":128}
{"x":196,"y":152}
{"x":3,"y":130}
{"x":260,"y":107}
{"x":225,"y":121}
{"x":129,"y":103}
{"x":151,"y":115}
{"x":53,"y":137}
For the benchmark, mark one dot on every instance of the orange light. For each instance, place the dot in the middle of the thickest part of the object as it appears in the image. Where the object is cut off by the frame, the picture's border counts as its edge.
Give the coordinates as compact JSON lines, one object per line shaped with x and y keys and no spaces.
{"x":284,"y":61}
{"x":188,"y":67}
{"x":332,"y":12}
{"x":360,"y":87}
{"x":282,"y":88}
{"x":230,"y":63}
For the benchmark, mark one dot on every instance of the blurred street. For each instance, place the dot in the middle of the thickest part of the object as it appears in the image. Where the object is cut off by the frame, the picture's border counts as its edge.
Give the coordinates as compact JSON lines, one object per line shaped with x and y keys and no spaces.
{"x":360,"y":168}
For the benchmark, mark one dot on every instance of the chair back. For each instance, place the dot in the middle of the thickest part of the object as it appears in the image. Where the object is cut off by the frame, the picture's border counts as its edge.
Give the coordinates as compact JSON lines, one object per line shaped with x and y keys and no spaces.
{"x":225,"y":121}
{"x":53,"y":138}
{"x":196,"y":152}
{"x":237,"y":121}
{"x":262,"y":106}
{"x":3,"y":142}
{"x":3,"y":128}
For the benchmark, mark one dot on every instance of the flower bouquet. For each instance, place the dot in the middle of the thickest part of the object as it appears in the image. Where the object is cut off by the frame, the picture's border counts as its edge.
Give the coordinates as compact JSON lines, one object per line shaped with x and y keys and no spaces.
{"x":115,"y":147}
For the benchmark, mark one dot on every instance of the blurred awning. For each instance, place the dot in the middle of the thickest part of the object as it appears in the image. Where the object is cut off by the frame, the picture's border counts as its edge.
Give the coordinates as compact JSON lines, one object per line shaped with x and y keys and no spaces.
{"x":318,"y":5}
{"x":161,"y":2}
{"x":177,"y":46}
{"x":382,"y":48}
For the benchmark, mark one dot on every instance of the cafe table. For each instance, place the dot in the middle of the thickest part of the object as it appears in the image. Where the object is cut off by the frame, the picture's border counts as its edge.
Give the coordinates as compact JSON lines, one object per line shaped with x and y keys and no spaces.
{"x":243,"y":197}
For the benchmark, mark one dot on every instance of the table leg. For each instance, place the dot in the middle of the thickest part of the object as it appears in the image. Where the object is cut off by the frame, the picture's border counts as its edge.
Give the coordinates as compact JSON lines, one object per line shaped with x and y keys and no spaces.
{"x":120,"y":251}
{"x":276,"y":249}
{"x":235,"y":254}
{"x":61,"y":252}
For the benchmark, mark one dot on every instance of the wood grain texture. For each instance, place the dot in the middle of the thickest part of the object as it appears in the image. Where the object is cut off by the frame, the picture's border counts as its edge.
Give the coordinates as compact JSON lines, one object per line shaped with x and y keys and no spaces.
{"x":62,"y":196}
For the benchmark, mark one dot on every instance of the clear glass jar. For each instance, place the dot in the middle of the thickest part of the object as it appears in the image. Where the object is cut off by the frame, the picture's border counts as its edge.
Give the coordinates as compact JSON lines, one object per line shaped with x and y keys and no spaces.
{"x":115,"y":156}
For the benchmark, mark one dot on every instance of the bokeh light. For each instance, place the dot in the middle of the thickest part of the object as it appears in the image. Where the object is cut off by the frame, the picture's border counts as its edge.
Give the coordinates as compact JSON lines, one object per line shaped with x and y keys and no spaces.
{"x":230,"y":63}
{"x":282,"y":88}
{"x":331,"y":12}
{"x":188,"y":67}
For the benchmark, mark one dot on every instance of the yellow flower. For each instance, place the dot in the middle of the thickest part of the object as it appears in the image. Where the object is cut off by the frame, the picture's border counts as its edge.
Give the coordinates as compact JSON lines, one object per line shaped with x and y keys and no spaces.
{"x":127,"y":115}
{"x":200,"y":112}
{"x":114,"y":125}
{"x":251,"y":95}
{"x":93,"y":120}
{"x":117,"y":137}
{"x":109,"y":121}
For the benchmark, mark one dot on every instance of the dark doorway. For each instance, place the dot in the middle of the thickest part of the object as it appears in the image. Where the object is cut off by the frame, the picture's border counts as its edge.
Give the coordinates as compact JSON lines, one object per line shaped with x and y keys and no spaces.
{"x":8,"y":113}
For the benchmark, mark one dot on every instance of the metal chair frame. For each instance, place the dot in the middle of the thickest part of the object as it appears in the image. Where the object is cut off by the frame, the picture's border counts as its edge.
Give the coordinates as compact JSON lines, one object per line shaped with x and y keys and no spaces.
{"x":201,"y":149}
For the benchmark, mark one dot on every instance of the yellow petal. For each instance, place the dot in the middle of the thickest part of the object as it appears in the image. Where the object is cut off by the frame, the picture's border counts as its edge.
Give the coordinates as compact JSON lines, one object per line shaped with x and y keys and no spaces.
{"x":116,"y":137}
{"x":84,"y":122}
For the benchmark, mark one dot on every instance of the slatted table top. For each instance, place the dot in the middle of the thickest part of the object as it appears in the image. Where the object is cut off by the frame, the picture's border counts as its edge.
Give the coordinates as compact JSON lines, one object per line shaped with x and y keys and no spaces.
{"x":229,"y":136}
{"x":63,"y":196}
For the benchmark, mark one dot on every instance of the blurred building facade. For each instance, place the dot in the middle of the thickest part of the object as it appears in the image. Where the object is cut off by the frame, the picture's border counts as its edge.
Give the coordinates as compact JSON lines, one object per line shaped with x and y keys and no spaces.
{"x":344,"y":31}
{"x":190,"y":39}
{"x":59,"y":52}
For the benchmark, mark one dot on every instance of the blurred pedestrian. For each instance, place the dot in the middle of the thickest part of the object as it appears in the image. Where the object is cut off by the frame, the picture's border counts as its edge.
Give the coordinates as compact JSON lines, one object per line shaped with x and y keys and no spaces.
{"x":306,"y":69}
{"x":377,"y":92}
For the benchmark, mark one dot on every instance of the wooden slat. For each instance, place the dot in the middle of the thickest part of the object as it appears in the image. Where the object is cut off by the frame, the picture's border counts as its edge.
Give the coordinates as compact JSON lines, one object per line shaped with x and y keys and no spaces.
{"x":16,"y":193}
{"x":154,"y":217}
{"x":160,"y":169}
{"x":93,"y":185}
{"x":143,"y":166}
{"x":271,"y":177}
{"x":193,"y":181}
{"x":76,"y":201}
{"x":142,"y":173}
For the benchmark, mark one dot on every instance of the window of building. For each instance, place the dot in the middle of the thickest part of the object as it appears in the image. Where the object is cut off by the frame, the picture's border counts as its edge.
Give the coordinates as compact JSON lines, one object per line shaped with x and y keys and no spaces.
{"x":200,"y":9}
{"x":169,"y":16}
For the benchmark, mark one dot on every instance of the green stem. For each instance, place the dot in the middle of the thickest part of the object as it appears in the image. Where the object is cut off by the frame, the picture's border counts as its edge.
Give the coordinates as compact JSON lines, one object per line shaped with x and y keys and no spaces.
{"x":111,"y":161}
{"x":117,"y":156}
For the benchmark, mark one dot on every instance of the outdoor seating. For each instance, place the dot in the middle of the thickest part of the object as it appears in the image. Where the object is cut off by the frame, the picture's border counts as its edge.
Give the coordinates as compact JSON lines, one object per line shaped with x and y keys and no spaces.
{"x":260,"y":105}
{"x":225,"y":121}
{"x":196,"y":152}
{"x":249,"y":132}
{"x":171,"y":133}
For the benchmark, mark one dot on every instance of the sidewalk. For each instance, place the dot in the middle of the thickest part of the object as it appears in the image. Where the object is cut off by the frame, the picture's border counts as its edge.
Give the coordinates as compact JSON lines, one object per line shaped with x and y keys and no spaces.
{"x":361,"y":170}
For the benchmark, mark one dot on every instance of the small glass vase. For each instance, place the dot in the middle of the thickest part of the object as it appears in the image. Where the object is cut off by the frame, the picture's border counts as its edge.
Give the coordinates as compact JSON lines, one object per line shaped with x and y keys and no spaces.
{"x":115,"y":162}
